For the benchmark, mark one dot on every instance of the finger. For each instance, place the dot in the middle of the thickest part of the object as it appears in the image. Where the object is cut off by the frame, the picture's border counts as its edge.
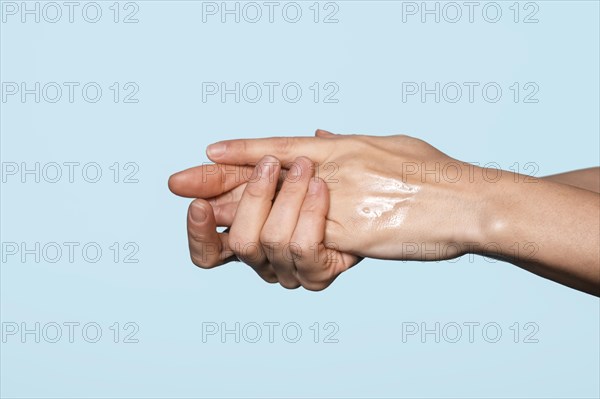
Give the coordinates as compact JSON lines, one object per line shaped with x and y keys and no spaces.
{"x":324,"y":134}
{"x":252,"y":212}
{"x":317,"y":265}
{"x":207,"y":248}
{"x":225,"y":214}
{"x":286,"y":149}
{"x":225,"y":205}
{"x":279,"y":227}
{"x":186,"y":184}
{"x":208,"y":181}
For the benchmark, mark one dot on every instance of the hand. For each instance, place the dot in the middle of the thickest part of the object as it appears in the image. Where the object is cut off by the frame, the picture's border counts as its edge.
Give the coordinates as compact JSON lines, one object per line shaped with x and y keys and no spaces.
{"x":398,"y":197}
{"x":283,"y":242}
{"x":385,"y":202}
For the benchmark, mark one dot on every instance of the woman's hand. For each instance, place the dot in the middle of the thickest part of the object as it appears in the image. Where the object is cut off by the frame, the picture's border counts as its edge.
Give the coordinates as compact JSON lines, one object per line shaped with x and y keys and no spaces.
{"x":393,"y":197}
{"x":398,"y":197}
{"x":281,"y":238}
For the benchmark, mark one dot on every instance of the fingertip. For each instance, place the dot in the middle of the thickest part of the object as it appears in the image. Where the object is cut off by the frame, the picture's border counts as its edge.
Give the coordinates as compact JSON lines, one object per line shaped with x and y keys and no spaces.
{"x":199,"y":211}
{"x":300,"y":166}
{"x":315,"y":185}
{"x":268,"y":168}
{"x":190,"y":183}
{"x":318,"y":196}
{"x":204,"y":242}
{"x":323,"y":133}
{"x":172,"y":183}
{"x":269,"y":159}
{"x":177,"y":183}
{"x":216,"y":150}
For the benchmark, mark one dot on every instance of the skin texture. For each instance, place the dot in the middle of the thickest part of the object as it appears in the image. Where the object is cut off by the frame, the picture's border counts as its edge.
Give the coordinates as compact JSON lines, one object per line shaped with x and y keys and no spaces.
{"x":392,"y":197}
{"x":587,"y":179}
{"x":277,"y":227}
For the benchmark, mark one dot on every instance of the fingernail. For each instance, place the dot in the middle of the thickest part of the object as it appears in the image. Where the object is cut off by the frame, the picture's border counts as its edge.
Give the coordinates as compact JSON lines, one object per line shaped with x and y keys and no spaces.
{"x":255,"y":173}
{"x":313,"y":186}
{"x":271,"y":163}
{"x":215,"y":150}
{"x":294,"y":170}
{"x":197,"y":213}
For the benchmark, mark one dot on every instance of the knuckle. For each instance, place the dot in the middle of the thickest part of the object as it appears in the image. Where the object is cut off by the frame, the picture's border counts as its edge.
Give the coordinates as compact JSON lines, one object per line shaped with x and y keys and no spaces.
{"x":308,"y":266}
{"x":352,"y":162}
{"x":315,"y":285}
{"x":248,"y":253}
{"x":196,"y":236}
{"x":285,"y":145}
{"x":289,"y":284}
{"x":270,"y":278}
{"x":239,"y":146}
{"x":242,"y":247}
{"x":271,"y":237}
{"x":305,"y":253}
{"x":234,"y":239}
{"x":298,"y":250}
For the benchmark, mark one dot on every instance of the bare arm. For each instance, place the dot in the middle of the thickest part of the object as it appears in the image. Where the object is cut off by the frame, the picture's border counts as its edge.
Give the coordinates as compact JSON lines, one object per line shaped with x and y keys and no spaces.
{"x":587,"y":179}
{"x":549,"y":229}
{"x":397,"y":197}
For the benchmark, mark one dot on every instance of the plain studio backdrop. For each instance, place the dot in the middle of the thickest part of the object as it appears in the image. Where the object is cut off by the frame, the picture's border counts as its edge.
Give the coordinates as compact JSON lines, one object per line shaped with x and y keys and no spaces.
{"x":102,"y":101}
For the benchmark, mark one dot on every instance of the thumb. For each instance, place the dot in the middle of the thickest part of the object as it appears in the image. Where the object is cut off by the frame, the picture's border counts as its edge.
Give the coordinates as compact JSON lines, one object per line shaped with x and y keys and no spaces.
{"x":207,"y":181}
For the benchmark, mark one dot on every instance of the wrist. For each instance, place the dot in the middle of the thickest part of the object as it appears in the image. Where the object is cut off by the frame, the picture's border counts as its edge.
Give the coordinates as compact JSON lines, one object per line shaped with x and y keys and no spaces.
{"x":499,"y":197}
{"x":487,"y":197}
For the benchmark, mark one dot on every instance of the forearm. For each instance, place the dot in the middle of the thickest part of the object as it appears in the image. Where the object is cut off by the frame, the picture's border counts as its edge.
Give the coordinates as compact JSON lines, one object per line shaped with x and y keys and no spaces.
{"x":550,"y":229}
{"x":547,"y":226}
{"x":587,"y":179}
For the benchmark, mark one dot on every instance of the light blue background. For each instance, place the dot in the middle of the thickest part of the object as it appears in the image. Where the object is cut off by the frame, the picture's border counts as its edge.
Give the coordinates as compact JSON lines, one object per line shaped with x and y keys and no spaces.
{"x":368,"y":54}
